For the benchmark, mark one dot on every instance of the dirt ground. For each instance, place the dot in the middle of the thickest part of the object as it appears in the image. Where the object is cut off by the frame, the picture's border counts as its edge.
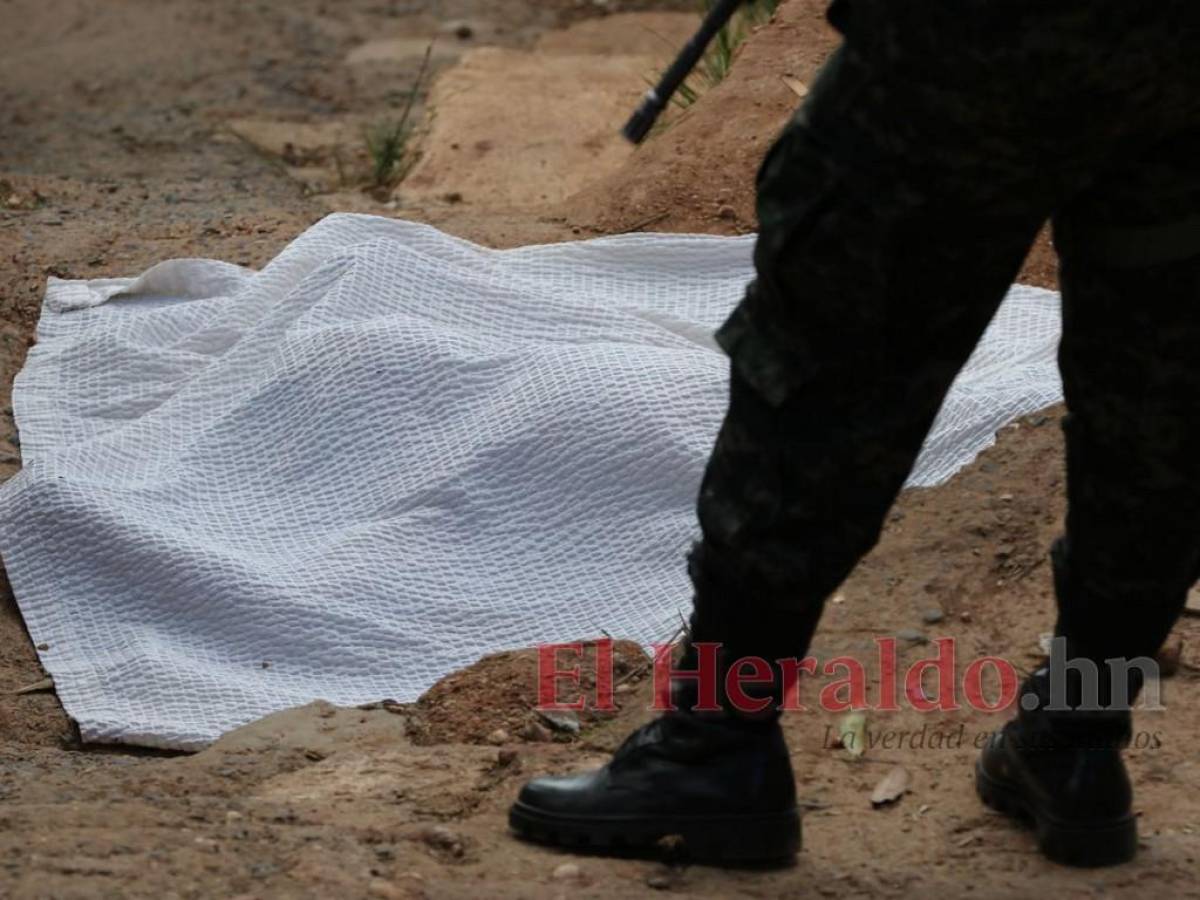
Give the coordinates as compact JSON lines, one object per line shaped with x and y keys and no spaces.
{"x":131,"y":132}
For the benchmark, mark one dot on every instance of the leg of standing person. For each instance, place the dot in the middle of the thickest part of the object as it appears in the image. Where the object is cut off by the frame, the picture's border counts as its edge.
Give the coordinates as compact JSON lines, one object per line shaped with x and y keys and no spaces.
{"x":895,"y":211}
{"x":1130,"y":359}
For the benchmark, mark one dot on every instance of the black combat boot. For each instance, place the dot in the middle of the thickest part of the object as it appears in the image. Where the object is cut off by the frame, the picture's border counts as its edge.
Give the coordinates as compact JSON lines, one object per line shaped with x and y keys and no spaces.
{"x":1063,"y":772}
{"x":712,"y":786}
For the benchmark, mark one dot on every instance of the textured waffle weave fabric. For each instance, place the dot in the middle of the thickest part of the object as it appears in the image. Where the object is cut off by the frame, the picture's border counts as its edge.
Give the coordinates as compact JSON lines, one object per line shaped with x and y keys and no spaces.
{"x":382,"y":456}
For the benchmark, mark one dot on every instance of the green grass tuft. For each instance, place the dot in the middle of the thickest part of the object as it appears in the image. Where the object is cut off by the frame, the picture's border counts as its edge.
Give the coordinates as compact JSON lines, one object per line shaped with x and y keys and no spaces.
{"x":389,"y":143}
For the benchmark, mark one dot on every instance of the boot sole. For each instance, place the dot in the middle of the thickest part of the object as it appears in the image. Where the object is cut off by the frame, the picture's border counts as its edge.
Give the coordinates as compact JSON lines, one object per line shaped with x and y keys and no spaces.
{"x":744,"y":839}
{"x":1107,"y":842}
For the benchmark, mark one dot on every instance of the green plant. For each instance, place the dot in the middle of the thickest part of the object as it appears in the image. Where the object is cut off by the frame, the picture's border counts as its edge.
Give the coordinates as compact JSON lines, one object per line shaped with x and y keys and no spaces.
{"x":718,"y":61}
{"x":388,"y":143}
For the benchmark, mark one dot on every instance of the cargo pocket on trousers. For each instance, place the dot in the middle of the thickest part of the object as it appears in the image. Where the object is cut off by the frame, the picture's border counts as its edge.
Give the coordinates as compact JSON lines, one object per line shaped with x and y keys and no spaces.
{"x":773,"y":370}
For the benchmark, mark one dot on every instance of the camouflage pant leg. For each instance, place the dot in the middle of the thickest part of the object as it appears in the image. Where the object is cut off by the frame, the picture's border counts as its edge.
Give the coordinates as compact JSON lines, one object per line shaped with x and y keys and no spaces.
{"x":880,"y":261}
{"x":894,"y":212}
{"x":1130,"y":360}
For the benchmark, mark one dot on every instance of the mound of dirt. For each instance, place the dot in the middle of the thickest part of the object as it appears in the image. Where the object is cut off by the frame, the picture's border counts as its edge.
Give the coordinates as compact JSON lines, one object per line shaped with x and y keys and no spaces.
{"x":524,"y":129}
{"x":697,"y":174}
{"x":494,"y":700}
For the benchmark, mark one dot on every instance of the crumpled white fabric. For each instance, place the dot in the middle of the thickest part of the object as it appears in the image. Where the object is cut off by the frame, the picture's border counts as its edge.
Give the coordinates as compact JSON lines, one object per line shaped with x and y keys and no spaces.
{"x":385,"y":454}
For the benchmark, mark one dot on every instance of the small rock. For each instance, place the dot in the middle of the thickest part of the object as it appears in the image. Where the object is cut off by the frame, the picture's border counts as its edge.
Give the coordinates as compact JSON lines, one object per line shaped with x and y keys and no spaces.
{"x":439,"y":837}
{"x":535,"y":732}
{"x":568,"y":872}
{"x":1004,"y":551}
{"x":726,"y":212}
{"x":380,"y":887}
{"x":498,"y":737}
{"x":913,"y":636}
{"x":965,"y":616}
{"x":461,"y":29}
{"x":564,"y":720}
{"x":932,"y":616}
{"x":659,"y":882}
{"x":507,"y":757}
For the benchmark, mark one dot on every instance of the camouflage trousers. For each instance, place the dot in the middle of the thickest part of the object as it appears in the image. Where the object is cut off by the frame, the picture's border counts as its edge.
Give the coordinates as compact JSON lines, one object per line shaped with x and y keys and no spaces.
{"x":895,"y":211}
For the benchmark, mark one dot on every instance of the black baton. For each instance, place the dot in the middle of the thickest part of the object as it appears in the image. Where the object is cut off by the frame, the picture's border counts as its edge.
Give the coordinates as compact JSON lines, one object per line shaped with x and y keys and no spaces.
{"x":657,"y":98}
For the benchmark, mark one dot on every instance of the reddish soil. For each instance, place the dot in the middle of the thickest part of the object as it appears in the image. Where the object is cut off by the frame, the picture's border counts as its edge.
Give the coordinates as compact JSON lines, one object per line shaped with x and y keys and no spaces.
{"x":119,"y":150}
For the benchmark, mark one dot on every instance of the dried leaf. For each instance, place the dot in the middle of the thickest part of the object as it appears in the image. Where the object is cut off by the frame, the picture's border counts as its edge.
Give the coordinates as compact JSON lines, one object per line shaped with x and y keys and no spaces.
{"x":852,"y":733}
{"x":798,"y":87}
{"x":891,"y":787}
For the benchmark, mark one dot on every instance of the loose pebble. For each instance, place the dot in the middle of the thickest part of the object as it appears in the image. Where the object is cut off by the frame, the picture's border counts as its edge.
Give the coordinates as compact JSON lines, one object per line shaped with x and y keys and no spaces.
{"x":568,"y":872}
{"x":536,"y":733}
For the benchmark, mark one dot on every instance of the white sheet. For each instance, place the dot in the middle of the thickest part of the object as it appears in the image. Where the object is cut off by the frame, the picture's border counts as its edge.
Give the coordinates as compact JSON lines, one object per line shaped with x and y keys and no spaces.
{"x":387,"y":453}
